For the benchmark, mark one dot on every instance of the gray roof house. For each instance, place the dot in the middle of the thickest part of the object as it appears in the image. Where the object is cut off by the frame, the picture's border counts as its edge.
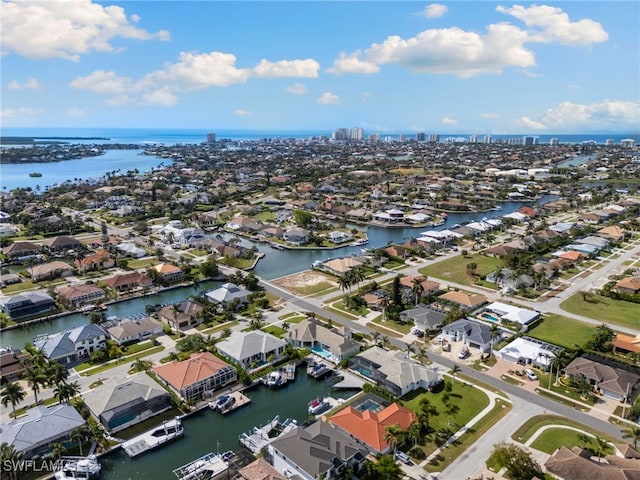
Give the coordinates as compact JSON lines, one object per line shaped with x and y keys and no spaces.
{"x":27,"y":304}
{"x":310,"y":334}
{"x":472,"y":334}
{"x":393,"y":371}
{"x":425,"y":318}
{"x":320,"y":450}
{"x":73,"y":346}
{"x":228,"y":292}
{"x":134,"y":330}
{"x":120,"y":403}
{"x":33,"y":433}
{"x":611,"y":381}
{"x":251,"y":348}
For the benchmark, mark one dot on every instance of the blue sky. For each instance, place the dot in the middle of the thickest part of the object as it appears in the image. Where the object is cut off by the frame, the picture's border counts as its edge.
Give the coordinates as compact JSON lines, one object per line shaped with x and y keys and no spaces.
{"x":469,"y":67}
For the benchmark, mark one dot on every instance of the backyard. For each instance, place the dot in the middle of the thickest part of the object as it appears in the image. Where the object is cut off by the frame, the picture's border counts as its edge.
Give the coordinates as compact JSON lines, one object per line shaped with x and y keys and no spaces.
{"x":562,"y":331}
{"x":455,"y":269}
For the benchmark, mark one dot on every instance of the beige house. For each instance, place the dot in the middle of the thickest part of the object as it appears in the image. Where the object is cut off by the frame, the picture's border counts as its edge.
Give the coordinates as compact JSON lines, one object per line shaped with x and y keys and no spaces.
{"x":49,"y":270}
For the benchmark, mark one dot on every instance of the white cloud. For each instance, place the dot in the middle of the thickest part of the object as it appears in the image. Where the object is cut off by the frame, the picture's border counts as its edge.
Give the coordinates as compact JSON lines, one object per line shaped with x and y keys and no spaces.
{"x":66,"y":29}
{"x":352,"y":64}
{"x":527,"y":122}
{"x":328,"y":98}
{"x":160,"y":97}
{"x":552,"y":24}
{"x":30,"y":84}
{"x":19,"y":116}
{"x":307,"y":68}
{"x":600,"y":114}
{"x":434,"y":10}
{"x":103,"y":82}
{"x":448,"y":121}
{"x":297,"y":89}
{"x":242,"y":113}
{"x":489,"y":115}
{"x":76,"y":112}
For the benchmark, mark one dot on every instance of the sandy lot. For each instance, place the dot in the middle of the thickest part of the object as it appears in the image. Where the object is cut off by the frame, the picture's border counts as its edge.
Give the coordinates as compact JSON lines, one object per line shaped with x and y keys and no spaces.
{"x":300,"y":281}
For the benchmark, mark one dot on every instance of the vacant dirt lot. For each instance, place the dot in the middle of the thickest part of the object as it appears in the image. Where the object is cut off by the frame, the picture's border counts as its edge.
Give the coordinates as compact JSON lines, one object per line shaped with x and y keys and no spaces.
{"x":307,"y":282}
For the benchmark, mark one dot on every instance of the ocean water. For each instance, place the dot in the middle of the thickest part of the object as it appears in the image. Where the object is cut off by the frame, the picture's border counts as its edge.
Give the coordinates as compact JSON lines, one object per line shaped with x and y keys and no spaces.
{"x":168,"y":136}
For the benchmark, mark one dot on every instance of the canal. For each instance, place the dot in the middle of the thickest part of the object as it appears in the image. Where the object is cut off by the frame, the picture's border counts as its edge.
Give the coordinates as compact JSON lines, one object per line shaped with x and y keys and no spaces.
{"x":209,"y":431}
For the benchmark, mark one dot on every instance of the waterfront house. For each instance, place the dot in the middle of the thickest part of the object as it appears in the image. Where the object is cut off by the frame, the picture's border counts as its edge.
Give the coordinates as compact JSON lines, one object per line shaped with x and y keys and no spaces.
{"x":168,"y":273}
{"x":243,"y":224}
{"x":472,"y":334}
{"x":326,"y":342}
{"x":46,"y":271}
{"x":612,"y":382}
{"x":12,"y":364}
{"x":21,"y":249}
{"x":187,"y":313}
{"x":367,"y":419}
{"x":27,"y":304}
{"x":73,"y":346}
{"x":124,"y":282}
{"x":393,"y":371}
{"x":120,"y":403}
{"x":340,"y":266}
{"x":131,"y":330}
{"x":252,"y":349}
{"x":259,"y":469}
{"x":337,"y":236}
{"x":198,"y":376}
{"x":296,"y":236}
{"x":319,"y":450}
{"x":33,"y":433}
{"x":228,"y":292}
{"x":77,"y":294}
{"x":96,"y":261}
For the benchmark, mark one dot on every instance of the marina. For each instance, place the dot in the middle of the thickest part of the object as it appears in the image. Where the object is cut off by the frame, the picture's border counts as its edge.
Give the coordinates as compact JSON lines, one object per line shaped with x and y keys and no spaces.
{"x":154,"y":438}
{"x":77,"y":468}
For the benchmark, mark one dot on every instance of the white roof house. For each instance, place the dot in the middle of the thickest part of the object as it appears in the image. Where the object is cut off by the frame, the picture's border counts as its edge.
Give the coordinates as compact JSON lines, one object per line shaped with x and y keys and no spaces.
{"x":511,"y":313}
{"x":228,"y":292}
{"x":251,"y":349}
{"x":528,"y":351}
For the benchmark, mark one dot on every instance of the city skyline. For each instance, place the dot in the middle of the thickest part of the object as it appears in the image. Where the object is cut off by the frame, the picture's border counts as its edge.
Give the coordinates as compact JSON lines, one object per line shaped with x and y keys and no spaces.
{"x":459,"y":67}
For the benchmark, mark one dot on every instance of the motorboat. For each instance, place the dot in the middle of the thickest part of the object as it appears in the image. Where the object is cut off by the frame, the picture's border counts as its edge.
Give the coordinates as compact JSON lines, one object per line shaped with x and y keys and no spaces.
{"x":274,"y":379}
{"x":317,"y":405}
{"x":222,"y":402}
{"x":77,"y":468}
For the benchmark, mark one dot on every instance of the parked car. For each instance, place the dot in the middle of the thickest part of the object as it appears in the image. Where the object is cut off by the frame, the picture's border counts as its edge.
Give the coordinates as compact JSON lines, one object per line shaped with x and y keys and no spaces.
{"x":464,"y":353}
{"x":417,"y":332}
{"x":403,"y":457}
{"x":531,"y":375}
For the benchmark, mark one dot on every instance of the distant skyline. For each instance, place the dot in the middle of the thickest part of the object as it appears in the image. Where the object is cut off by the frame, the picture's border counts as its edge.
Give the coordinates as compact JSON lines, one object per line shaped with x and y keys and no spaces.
{"x":455,"y":67}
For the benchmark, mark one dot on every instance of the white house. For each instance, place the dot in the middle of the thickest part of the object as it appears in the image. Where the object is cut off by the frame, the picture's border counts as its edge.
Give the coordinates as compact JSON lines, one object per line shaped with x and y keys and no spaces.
{"x":252,"y":349}
{"x":228,"y":292}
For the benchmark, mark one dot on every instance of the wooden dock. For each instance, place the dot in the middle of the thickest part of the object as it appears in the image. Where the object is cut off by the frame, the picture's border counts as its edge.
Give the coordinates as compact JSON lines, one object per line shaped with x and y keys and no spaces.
{"x":240,"y":400}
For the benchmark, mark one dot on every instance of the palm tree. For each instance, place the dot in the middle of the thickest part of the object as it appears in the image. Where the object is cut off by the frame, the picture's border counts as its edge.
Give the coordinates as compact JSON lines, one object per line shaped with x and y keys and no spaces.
{"x":35,"y":378}
{"x":409,"y":349}
{"x":384,"y":341}
{"x":393,"y":435}
{"x":601,"y":447}
{"x":98,"y":434}
{"x":454,"y":370}
{"x":56,"y":373}
{"x":451,"y":409}
{"x":12,"y":457}
{"x":376,"y":336}
{"x":66,"y":391}
{"x":82,"y":434}
{"x":560,"y":361}
{"x":584,"y":439}
{"x":422,"y":354}
{"x":285,"y":326}
{"x":494,"y":332}
{"x":57,"y":449}
{"x":13,"y":394}
{"x":413,"y":433}
{"x":632,"y":433}
{"x":417,"y":288}
{"x":344,"y":282}
{"x":426,"y":410}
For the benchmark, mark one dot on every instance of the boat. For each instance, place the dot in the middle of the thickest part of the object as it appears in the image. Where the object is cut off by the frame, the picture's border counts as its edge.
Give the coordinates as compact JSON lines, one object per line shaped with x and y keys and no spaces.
{"x":275,"y":379}
{"x":497,"y":208}
{"x":154,"y":438}
{"x":360,"y":242}
{"x":77,"y":468}
{"x":317,"y":405}
{"x":208,"y":466}
{"x":222,"y":402}
{"x":35,"y":174}
{"x":319,"y":370}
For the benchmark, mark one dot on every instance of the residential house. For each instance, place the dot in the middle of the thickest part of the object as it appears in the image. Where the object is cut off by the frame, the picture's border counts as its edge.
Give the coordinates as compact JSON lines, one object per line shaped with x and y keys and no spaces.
{"x":95,"y":261}
{"x":45,"y":271}
{"x":73,"y":346}
{"x":296,"y":236}
{"x":472,"y":334}
{"x":124,"y":282}
{"x":62,"y":242}
{"x":27,"y":304}
{"x":630,"y":285}
{"x":187,"y":313}
{"x":252,"y":349}
{"x":424,"y":318}
{"x":393,"y":371}
{"x":626,"y":344}
{"x":21,"y":249}
{"x":130,"y":249}
{"x":340,"y":266}
{"x":121,"y":403}
{"x":397,"y":251}
{"x":77,"y":294}
{"x":198,"y":376}
{"x":33,"y":433}
{"x":529,"y":351}
{"x":319,"y":450}
{"x":428,"y":287}
{"x":131,"y":330}
{"x":613,"y":382}
{"x":368,"y":425}
{"x":314,"y":336}
{"x":244,"y":224}
{"x":597,"y":241}
{"x":11,"y":364}
{"x":228,"y":292}
{"x":259,"y":469}
{"x":168,"y":272}
{"x":578,"y":464}
{"x":498,"y":311}
{"x":507,"y":278}
{"x":465,"y":301}
{"x":613,"y":233}
{"x":340,"y":237}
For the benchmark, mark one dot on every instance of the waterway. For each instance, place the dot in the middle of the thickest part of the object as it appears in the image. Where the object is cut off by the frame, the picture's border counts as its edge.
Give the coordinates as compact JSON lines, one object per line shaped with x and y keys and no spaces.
{"x":209,"y":431}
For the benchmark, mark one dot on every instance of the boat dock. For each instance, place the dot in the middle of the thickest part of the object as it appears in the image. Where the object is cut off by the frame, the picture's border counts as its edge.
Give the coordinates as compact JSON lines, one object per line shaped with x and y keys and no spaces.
{"x":260,"y":437}
{"x":239,"y":400}
{"x":348,"y":382}
{"x":70,"y":468}
{"x":280,"y":377}
{"x":318,"y":370}
{"x":154,"y":438}
{"x":207,"y":466}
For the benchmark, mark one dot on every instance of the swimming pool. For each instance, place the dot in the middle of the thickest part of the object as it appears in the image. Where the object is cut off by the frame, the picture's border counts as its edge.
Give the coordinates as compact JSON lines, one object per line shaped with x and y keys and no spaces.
{"x":369,"y":404}
{"x":367,"y":372}
{"x":490,"y":317}
{"x":321,"y":351}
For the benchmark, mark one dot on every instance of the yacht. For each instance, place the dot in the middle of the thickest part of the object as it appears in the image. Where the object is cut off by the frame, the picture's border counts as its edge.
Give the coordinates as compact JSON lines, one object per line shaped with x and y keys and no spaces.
{"x":77,"y":468}
{"x":274,"y":379}
{"x":317,"y":405}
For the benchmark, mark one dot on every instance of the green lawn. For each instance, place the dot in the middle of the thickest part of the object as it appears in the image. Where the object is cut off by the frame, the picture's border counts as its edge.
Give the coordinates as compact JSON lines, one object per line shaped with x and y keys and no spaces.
{"x":553,"y":438}
{"x":455,"y":268}
{"x":120,"y":361}
{"x":562,"y":331}
{"x":528,"y":428}
{"x":143,"y":263}
{"x":605,"y":309}
{"x":402,"y":327}
{"x":265,"y":216}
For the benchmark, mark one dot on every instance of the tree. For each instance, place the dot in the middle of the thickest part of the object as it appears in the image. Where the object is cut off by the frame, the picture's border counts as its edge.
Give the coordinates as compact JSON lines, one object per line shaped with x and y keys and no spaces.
{"x":494,"y":333}
{"x":57,"y":449}
{"x":56,"y":373}
{"x":601,"y":339}
{"x":632,"y":433}
{"x":66,"y":391}
{"x":82,"y":435}
{"x":454,"y":370}
{"x":394,"y":436}
{"x":35,"y":379}
{"x":601,"y":447}
{"x":417,"y":288}
{"x":302,"y":218}
{"x":409,"y":348}
{"x":451,"y":410}
{"x":344,"y":282}
{"x":141,"y":365}
{"x":13,"y":394}
{"x":426,"y":410}
{"x":12,"y":457}
{"x":518,"y":463}
{"x":385,"y":468}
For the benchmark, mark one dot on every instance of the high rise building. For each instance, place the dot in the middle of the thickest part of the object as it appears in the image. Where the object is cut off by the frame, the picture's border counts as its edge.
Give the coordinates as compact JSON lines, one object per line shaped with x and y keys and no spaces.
{"x":473,"y":139}
{"x":340,"y":134}
{"x":529,"y":140}
{"x":554,"y":142}
{"x":356,"y":133}
{"x":402,"y":137}
{"x":609,"y":141}
{"x":421,"y":136}
{"x":486,"y":139}
{"x":211,"y":139}
{"x":627,"y":142}
{"x":434,"y":137}
{"x":374,"y":137}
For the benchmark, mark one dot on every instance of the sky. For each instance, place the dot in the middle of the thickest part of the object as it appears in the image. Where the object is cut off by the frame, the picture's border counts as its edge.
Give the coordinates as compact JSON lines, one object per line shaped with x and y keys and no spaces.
{"x":469,"y":67}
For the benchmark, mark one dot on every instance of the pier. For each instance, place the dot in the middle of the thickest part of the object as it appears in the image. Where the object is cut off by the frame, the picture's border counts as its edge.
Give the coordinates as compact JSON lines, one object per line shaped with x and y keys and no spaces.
{"x":207,"y":466}
{"x":260,"y":437}
{"x":154,"y":438}
{"x":280,"y":377}
{"x":239,"y":400}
